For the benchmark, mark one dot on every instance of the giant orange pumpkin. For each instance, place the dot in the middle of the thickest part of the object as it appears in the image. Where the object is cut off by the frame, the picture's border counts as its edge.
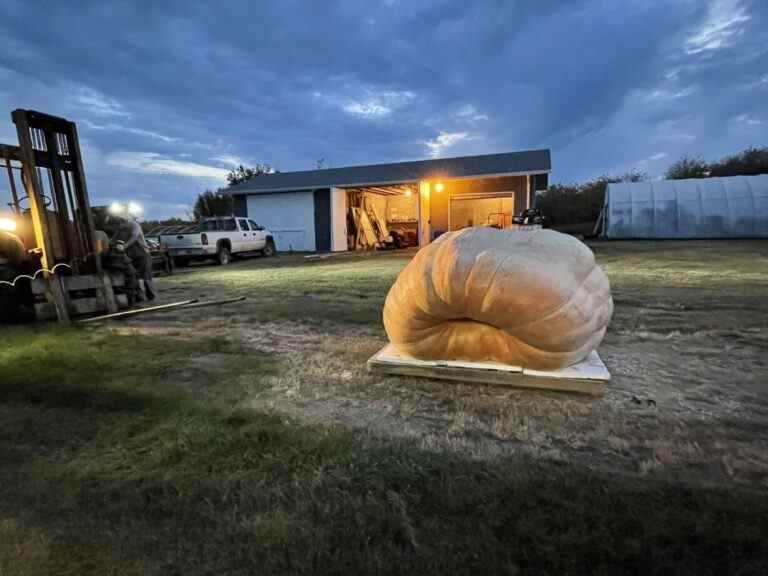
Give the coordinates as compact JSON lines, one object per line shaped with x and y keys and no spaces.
{"x":531,"y":298}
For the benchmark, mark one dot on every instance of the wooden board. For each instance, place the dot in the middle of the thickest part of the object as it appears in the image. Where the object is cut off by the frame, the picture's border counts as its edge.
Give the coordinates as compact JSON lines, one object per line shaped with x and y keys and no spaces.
{"x":587,"y":377}
{"x":101,"y":296}
{"x":82,"y":282}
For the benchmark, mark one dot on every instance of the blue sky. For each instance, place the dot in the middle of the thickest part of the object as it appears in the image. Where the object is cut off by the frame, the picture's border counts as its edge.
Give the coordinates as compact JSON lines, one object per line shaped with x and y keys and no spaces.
{"x":169,"y":95}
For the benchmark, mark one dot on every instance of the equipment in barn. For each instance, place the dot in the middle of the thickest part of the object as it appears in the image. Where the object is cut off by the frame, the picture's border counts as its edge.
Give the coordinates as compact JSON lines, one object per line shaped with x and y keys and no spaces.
{"x":54,"y":220}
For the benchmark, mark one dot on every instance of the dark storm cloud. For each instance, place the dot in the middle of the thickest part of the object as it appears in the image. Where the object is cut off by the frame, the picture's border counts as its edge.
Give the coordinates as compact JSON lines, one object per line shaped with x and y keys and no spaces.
{"x":169,"y":95}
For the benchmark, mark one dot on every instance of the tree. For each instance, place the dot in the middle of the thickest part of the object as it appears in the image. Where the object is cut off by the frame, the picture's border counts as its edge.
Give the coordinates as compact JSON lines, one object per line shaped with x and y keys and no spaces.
{"x":745,"y":163}
{"x":244,"y":173}
{"x":688,"y":167}
{"x":568,"y":204}
{"x":212,"y":203}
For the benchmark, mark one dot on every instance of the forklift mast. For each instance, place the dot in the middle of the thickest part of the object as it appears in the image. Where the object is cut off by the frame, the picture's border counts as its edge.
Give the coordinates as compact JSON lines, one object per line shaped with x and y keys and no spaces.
{"x":52,"y":205}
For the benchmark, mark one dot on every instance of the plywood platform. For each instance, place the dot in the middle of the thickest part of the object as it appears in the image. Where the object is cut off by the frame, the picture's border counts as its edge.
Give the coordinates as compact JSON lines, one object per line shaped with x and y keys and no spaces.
{"x":587,"y":377}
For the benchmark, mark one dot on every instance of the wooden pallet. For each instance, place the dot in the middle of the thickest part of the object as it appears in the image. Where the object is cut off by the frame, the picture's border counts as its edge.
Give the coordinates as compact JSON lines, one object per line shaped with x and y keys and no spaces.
{"x":587,"y":377}
{"x":84,"y":294}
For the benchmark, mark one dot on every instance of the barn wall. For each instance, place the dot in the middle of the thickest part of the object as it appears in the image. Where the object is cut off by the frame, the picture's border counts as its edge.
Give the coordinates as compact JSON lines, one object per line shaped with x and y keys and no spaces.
{"x":290,"y":216}
{"x":438,"y":209}
{"x":240,"y":205}
{"x":338,"y":220}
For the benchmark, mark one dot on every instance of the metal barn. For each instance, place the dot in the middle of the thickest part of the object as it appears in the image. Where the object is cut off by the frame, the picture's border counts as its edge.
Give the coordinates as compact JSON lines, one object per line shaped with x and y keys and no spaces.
{"x":336,"y":209}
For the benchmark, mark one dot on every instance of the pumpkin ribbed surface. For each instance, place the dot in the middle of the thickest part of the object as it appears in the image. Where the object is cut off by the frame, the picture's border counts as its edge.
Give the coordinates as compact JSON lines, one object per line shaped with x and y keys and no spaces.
{"x":530,"y":298}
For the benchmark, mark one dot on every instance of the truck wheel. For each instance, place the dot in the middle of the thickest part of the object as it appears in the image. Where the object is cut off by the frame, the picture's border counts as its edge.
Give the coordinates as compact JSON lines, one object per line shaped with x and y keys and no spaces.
{"x":223,"y":256}
{"x":269,"y":248}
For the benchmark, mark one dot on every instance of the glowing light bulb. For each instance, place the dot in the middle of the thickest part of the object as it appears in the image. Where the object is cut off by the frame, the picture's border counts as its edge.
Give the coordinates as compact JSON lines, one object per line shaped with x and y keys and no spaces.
{"x":7,"y":224}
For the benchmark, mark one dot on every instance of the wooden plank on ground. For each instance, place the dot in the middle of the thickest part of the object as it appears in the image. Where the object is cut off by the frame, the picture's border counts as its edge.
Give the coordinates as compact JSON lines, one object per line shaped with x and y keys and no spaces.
{"x":587,"y":377}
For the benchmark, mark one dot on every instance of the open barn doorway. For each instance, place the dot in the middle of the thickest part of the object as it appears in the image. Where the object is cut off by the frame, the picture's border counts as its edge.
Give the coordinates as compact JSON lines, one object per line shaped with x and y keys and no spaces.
{"x":491,"y":209}
{"x":382,"y":217}
{"x":465,"y":203}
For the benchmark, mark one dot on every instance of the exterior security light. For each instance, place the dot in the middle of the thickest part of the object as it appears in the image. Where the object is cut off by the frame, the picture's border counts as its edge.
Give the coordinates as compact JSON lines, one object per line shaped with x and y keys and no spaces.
{"x":116,"y":208}
{"x":134,"y":209}
{"x":439,"y":187}
{"x":7,"y":224}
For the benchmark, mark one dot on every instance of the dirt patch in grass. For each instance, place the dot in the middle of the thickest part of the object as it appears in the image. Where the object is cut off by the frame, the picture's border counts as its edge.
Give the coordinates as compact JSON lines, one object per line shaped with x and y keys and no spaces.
{"x":123,"y":474}
{"x":687,"y":348}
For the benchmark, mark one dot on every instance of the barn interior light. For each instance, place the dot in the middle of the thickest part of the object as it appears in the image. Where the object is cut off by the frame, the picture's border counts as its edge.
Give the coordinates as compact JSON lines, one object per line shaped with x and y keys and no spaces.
{"x":409,"y":192}
{"x":439,"y":187}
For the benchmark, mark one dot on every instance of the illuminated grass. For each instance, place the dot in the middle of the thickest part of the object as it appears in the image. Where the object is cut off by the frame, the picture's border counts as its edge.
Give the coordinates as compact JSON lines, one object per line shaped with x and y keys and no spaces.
{"x":197,"y":452}
{"x":106,"y":471}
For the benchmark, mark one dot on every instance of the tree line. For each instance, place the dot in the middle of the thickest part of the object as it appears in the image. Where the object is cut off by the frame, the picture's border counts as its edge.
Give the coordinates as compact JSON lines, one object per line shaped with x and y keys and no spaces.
{"x":218,"y":202}
{"x":578,"y":205}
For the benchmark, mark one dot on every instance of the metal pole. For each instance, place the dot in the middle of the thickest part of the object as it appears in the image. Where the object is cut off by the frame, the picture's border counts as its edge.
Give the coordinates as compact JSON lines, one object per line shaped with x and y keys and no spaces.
{"x":39,"y":220}
{"x":81,"y":192}
{"x":14,"y":194}
{"x":57,"y":189}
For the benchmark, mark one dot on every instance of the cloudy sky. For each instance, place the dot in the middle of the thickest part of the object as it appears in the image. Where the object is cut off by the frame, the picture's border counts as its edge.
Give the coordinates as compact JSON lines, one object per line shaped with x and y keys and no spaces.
{"x":170,"y":95}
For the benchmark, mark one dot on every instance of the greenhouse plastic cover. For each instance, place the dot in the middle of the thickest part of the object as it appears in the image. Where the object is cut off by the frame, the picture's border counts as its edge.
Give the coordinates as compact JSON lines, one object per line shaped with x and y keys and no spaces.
{"x":735,"y":206}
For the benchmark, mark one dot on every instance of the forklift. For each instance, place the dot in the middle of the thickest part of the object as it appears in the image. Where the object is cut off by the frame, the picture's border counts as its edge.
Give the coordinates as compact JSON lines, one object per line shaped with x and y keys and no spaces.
{"x":49,"y":252}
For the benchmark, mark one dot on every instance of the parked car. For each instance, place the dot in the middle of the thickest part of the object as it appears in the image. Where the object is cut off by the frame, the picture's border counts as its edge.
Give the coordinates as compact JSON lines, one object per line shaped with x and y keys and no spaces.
{"x":220,"y":238}
{"x":531,"y":217}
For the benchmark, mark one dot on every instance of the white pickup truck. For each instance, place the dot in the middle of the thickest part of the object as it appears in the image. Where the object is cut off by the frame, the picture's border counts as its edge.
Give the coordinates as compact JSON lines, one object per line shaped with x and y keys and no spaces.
{"x":219,"y":238}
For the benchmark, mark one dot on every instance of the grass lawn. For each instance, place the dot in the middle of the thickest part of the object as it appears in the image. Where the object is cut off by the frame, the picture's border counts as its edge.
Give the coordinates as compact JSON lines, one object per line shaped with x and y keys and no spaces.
{"x":249,"y":438}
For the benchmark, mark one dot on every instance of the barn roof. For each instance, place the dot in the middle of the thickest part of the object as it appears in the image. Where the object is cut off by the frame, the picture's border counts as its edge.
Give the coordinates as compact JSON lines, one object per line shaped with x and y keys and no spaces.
{"x":525,"y":162}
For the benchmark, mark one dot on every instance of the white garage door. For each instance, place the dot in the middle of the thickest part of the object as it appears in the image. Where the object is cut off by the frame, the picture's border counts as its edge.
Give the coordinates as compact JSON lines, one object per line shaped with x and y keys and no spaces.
{"x":290,"y":216}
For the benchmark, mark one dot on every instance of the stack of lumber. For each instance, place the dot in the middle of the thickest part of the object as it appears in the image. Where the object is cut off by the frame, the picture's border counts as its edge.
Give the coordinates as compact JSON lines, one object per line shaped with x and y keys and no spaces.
{"x":366,"y":237}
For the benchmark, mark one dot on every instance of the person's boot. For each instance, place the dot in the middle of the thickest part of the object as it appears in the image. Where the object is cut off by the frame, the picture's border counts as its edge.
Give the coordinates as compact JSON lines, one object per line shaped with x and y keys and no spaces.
{"x":148,"y":291}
